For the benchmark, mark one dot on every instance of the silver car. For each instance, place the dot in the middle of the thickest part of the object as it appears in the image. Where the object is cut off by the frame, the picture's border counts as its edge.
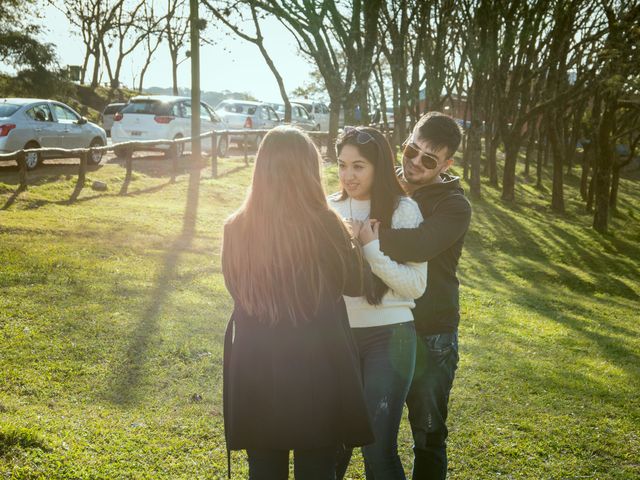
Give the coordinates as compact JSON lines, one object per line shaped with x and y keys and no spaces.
{"x":299,"y":116}
{"x":34,"y":123}
{"x":246,"y":115}
{"x":106,"y":117}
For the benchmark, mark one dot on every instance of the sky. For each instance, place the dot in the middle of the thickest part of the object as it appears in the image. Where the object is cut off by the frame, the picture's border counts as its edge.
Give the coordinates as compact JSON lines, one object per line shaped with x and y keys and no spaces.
{"x":231,"y":64}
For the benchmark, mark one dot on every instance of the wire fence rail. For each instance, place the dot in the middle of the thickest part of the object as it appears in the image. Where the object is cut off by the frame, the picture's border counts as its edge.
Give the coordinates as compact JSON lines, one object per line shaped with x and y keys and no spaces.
{"x":126,"y":150}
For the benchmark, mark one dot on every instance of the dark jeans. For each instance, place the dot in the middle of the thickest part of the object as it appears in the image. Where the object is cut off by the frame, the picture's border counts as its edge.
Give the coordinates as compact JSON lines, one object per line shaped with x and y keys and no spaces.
{"x":317,"y":464}
{"x":436,"y":363}
{"x":387,"y":358}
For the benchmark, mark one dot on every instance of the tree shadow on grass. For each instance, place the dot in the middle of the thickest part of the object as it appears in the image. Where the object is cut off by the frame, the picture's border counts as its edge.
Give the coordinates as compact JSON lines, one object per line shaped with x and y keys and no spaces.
{"x":11,"y":200}
{"x":35,"y":204}
{"x":233,"y":170}
{"x":157,"y":166}
{"x":551,"y":272}
{"x":127,"y":378}
{"x":20,"y":438}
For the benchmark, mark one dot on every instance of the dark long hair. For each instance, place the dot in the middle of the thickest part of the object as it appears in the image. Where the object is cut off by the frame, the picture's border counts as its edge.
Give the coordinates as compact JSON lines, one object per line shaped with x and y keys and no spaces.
{"x":271,"y":248}
{"x":386,"y":190}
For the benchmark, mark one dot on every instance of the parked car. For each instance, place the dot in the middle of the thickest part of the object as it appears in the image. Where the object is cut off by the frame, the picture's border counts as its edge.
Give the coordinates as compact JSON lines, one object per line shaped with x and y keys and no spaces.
{"x":106,"y":117}
{"x":464,"y":124}
{"x":318,"y":111}
{"x":377,"y":119}
{"x":299,"y":116}
{"x":243,"y":114}
{"x":34,"y":123}
{"x":159,"y":117}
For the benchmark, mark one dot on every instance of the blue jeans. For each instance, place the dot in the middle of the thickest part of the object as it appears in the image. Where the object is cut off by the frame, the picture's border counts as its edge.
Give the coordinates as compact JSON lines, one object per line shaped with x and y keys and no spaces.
{"x":436,"y":363}
{"x":316,"y":464}
{"x":387,"y":359}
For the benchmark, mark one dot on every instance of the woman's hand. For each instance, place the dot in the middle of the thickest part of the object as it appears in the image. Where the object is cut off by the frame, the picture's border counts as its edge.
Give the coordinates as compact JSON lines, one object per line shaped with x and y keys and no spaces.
{"x":369,"y":232}
{"x":355,"y":226}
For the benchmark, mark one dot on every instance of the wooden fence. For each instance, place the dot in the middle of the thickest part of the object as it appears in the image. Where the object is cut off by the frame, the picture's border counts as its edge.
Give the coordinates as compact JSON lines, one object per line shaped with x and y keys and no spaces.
{"x":129,"y":147}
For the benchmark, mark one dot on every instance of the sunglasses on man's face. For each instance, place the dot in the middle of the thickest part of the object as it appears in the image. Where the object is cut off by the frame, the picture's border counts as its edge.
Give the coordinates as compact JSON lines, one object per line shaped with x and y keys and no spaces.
{"x":411,"y":151}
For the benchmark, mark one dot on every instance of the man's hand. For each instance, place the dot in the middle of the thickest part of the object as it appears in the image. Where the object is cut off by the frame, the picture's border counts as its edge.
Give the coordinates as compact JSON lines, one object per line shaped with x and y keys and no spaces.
{"x":369,"y":232}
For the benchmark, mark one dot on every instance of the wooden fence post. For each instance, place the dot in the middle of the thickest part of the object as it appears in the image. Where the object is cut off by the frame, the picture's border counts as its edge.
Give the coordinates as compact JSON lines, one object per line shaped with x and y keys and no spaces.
{"x":128,"y":162}
{"x":22,"y":165}
{"x":245,"y":141}
{"x":214,"y":155}
{"x":174,"y":161}
{"x":83,"y":168}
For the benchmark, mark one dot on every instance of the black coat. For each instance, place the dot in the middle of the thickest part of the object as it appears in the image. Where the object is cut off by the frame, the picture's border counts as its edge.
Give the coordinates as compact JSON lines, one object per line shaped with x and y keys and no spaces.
{"x":438,"y":240}
{"x":296,"y":387}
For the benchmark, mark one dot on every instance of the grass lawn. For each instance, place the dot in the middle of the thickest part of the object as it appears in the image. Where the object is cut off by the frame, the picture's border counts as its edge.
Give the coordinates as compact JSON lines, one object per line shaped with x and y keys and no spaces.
{"x":113,"y":310}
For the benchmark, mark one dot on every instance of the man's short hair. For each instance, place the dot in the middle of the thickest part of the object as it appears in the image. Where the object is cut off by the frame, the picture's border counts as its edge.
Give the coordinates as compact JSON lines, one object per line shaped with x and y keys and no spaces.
{"x":439,"y":130}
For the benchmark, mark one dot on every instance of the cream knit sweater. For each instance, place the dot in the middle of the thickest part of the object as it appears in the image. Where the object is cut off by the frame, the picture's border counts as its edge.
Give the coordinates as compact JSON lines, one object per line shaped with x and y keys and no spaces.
{"x":406,"y":281}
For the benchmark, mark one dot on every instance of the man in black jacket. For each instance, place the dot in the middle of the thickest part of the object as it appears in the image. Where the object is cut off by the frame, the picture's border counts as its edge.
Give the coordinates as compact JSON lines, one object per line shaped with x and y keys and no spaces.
{"x":427,"y":155}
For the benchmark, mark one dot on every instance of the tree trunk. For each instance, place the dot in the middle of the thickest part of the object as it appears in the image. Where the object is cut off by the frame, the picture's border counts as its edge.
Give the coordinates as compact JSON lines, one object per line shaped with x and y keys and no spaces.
{"x":279,"y":80}
{"x":557,"y":189}
{"x":474,"y":149}
{"x":142,"y":74}
{"x":85,"y":64}
{"x":174,"y":72}
{"x":604,"y":161}
{"x":531,"y":142}
{"x":492,"y":161}
{"x":107,"y":63}
{"x":334,"y":119}
{"x":509,"y":176}
{"x":539,"y":155}
{"x":615,"y":182}
{"x":592,"y":188}
{"x":584,"y":177}
{"x":570,"y":152}
{"x":96,"y":68}
{"x":547,"y":152}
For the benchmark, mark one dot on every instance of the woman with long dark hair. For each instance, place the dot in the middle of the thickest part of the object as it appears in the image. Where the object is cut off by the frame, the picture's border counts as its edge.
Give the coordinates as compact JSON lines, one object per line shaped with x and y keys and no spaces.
{"x":381,"y":320}
{"x":291,"y":373}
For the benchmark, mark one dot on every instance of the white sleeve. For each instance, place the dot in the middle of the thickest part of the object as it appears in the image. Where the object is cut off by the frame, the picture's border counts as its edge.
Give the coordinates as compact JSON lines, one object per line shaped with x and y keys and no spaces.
{"x":406,"y":279}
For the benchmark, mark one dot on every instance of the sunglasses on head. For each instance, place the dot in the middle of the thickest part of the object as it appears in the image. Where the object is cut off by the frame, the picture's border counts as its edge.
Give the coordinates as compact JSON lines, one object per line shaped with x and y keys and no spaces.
{"x":362,"y":137}
{"x":411,"y":151}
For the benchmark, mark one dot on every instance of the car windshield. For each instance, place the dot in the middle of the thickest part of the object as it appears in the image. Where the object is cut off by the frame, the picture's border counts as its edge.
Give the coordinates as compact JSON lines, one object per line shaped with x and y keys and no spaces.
{"x":8,"y":109}
{"x":148,"y":107}
{"x":239,"y":108}
{"x":111,"y":109}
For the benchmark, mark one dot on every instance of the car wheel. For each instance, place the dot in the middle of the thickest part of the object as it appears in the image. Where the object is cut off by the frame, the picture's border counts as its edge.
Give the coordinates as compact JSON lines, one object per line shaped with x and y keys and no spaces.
{"x":258,"y":140}
{"x":223,"y":146}
{"x":179,"y":148}
{"x":96,"y":157}
{"x":32,"y":159}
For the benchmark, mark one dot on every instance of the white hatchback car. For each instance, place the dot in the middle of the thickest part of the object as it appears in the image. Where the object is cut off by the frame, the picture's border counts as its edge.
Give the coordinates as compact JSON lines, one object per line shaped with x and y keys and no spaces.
{"x":160,"y":117}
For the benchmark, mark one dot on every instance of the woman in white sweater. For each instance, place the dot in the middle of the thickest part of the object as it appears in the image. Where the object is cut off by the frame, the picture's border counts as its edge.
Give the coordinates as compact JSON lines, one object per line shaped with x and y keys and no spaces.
{"x":381,"y":321}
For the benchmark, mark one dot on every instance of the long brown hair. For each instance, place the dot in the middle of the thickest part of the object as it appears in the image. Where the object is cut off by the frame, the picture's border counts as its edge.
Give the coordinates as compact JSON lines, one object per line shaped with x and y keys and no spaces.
{"x":271,"y":256}
{"x":386,"y":190}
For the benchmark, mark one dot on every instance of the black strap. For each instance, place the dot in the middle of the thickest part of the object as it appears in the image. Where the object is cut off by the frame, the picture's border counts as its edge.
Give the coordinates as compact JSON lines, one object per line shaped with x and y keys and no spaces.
{"x":228,"y":343}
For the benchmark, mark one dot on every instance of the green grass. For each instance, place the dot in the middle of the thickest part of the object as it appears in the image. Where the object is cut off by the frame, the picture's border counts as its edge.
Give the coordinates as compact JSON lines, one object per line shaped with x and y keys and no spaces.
{"x":113,"y":310}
